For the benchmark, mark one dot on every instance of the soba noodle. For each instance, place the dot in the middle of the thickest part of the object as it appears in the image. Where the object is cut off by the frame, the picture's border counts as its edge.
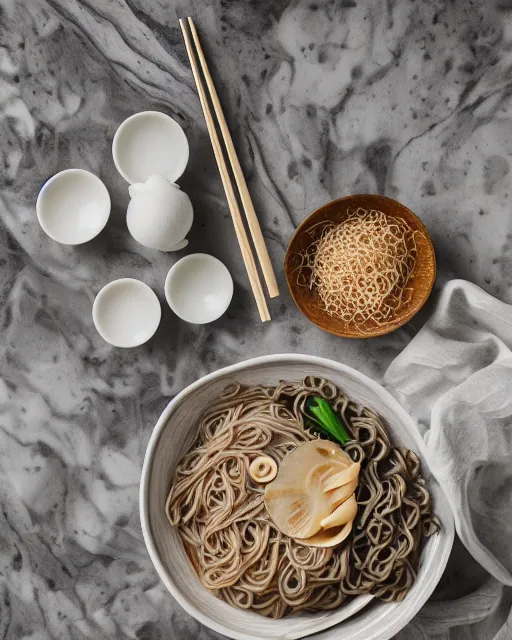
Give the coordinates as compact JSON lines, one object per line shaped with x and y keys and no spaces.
{"x":231,"y":540}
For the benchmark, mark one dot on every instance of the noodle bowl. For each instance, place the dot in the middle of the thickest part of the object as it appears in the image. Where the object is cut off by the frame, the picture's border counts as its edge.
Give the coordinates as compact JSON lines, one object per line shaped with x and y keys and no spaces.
{"x":230,"y":538}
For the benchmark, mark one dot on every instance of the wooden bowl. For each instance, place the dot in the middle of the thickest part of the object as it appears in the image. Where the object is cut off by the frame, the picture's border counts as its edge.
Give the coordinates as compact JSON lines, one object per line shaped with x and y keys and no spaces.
{"x":421,"y":282}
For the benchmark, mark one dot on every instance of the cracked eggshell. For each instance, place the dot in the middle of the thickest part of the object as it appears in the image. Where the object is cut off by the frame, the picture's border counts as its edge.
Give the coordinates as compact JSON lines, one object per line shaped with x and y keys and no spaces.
{"x":159,"y":214}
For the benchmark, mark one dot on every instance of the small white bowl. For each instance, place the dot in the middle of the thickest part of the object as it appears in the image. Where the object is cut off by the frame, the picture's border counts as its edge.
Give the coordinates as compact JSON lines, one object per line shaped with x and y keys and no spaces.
{"x":150,"y":142}
{"x":199,"y":288}
{"x":73,"y":206}
{"x":126,"y":312}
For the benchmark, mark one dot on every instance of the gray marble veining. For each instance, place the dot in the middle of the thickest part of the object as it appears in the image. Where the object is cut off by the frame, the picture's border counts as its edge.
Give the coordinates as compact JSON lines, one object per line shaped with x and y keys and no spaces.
{"x":408,"y":98}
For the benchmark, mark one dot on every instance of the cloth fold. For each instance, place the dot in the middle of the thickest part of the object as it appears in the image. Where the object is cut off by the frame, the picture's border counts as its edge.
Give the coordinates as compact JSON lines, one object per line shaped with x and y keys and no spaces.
{"x":455,"y":379}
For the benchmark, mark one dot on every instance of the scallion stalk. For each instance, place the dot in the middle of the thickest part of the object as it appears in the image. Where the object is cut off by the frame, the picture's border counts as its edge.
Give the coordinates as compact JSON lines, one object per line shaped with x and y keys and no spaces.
{"x":325,"y":420}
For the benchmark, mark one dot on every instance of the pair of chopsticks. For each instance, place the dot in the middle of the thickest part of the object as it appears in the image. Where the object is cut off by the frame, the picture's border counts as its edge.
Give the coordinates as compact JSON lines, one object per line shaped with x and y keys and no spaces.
{"x":250,"y":214}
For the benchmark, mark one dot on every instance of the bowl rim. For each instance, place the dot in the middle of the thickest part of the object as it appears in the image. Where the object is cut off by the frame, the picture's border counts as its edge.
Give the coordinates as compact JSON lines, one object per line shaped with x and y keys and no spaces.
{"x":388,"y":328}
{"x":398,"y":622}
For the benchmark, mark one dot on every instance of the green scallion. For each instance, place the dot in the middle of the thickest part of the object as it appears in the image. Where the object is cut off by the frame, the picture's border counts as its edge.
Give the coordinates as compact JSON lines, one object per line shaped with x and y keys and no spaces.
{"x":325,"y":420}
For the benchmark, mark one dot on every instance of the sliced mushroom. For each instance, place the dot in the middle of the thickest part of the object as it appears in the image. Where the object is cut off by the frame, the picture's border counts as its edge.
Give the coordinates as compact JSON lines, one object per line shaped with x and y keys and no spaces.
{"x":296,"y":513}
{"x":339,"y":495}
{"x":304,"y":496}
{"x":346,"y":512}
{"x":329,"y":537}
{"x":263,"y":469}
{"x":343,"y":476}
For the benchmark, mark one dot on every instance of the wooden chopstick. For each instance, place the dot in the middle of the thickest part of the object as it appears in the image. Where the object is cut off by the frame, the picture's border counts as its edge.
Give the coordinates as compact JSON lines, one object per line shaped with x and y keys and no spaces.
{"x":250,"y":213}
{"x":241,"y":234}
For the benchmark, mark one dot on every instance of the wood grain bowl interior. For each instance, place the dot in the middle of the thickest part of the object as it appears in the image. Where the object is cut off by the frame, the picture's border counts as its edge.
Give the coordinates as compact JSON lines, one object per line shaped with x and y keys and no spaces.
{"x":422,"y":280}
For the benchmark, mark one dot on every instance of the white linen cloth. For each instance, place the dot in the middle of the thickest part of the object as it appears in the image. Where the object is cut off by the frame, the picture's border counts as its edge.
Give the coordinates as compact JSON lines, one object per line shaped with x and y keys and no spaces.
{"x":455,"y":379}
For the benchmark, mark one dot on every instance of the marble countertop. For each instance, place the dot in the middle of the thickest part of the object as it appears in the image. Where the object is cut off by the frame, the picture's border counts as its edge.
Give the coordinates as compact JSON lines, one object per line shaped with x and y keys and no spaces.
{"x":411,"y":99}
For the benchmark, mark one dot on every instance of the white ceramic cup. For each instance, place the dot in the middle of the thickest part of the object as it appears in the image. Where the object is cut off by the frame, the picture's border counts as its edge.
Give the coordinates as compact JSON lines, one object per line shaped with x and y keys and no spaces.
{"x":199,"y":288}
{"x":73,"y":206}
{"x":126,"y":312}
{"x":149,"y":143}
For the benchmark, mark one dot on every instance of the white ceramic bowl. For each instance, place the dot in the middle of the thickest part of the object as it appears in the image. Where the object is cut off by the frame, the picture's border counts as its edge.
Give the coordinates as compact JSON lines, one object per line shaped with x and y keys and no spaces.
{"x":199,"y":288}
{"x":150,"y":142}
{"x":126,"y":312}
{"x":73,"y":206}
{"x":174,"y":435}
